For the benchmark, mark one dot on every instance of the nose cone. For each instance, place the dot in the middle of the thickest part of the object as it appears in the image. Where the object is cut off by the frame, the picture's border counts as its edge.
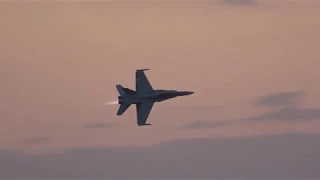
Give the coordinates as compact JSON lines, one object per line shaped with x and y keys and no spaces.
{"x":189,"y":92}
{"x":185,"y":93}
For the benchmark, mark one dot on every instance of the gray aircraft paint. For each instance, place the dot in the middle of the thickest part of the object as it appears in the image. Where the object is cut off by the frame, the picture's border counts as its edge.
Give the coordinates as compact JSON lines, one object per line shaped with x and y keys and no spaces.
{"x":144,"y":97}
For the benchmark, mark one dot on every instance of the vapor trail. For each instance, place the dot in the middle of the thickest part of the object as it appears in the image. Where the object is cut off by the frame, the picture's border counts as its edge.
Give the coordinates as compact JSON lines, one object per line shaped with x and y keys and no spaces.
{"x":111,"y":103}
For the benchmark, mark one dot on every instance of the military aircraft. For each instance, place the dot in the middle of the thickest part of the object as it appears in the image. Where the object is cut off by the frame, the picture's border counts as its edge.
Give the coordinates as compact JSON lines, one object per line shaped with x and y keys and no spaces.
{"x":144,"y":97}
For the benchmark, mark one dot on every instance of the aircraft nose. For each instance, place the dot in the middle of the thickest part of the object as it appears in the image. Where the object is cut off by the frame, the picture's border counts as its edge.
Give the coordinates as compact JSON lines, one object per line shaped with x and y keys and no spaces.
{"x":184,"y":93}
{"x":189,"y":92}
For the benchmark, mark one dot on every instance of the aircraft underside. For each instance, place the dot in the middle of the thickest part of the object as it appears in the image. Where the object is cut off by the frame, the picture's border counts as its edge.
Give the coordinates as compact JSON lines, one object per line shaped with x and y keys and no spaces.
{"x":143,"y":97}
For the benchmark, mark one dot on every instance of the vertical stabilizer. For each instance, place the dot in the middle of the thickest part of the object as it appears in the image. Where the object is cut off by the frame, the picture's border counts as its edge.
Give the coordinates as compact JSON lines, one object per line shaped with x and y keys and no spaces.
{"x":124,"y":91}
{"x":120,"y":90}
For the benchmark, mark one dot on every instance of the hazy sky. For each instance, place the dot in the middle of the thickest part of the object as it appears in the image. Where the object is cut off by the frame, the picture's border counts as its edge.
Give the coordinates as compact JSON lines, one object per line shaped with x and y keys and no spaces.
{"x":254,"y":68}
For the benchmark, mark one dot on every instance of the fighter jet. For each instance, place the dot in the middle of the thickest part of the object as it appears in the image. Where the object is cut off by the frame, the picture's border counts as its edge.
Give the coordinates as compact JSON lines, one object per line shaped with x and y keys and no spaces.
{"x":144,"y":97}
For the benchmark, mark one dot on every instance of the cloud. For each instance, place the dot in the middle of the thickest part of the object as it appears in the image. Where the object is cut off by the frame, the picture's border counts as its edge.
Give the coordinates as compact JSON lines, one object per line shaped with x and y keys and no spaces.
{"x":205,"y":124}
{"x":280,"y":99}
{"x":98,"y":126}
{"x":287,"y":112}
{"x":265,"y":157}
{"x":37,"y":140}
{"x":290,"y":114}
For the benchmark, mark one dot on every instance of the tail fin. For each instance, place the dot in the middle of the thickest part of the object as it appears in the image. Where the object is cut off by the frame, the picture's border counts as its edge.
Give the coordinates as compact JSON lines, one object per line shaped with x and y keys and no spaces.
{"x":123,"y":108}
{"x":124,"y":91}
{"x":120,"y":90}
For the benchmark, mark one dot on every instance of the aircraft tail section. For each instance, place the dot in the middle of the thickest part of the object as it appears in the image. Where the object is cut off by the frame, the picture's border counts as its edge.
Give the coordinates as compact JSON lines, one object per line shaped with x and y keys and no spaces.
{"x":120,"y":90}
{"x":123,"y":108}
{"x":124,"y":91}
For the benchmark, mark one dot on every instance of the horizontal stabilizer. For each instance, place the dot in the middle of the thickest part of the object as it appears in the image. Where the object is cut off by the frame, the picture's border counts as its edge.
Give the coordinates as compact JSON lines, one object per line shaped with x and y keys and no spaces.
{"x":123,"y":108}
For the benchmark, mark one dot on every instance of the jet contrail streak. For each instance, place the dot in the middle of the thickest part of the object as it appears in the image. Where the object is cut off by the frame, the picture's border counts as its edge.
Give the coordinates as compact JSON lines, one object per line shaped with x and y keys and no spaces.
{"x":111,"y":103}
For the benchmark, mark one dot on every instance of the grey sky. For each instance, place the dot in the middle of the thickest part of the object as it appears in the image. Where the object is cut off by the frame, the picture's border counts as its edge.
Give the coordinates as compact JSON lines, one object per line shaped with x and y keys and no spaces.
{"x":283,"y":156}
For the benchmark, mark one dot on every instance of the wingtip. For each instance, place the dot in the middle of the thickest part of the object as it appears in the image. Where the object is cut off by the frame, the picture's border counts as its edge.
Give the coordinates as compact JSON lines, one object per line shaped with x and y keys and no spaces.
{"x":144,"y":124}
{"x":146,"y":69}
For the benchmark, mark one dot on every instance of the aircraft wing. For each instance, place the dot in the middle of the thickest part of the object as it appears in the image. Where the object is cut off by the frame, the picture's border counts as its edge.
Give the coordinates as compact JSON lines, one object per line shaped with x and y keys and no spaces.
{"x":143,"y":110}
{"x":142,"y":83}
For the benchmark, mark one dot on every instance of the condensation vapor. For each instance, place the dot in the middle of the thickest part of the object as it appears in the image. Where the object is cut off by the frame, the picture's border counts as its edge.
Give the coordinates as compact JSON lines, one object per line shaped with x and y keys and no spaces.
{"x":111,"y":103}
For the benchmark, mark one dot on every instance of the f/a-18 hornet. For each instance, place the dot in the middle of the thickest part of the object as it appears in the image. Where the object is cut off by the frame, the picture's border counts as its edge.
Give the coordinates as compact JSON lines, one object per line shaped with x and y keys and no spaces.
{"x":144,"y":97}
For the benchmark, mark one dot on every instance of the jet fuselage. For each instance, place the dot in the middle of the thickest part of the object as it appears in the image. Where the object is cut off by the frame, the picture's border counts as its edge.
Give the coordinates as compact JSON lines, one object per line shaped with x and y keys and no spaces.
{"x":155,"y":96}
{"x":144,"y":97}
